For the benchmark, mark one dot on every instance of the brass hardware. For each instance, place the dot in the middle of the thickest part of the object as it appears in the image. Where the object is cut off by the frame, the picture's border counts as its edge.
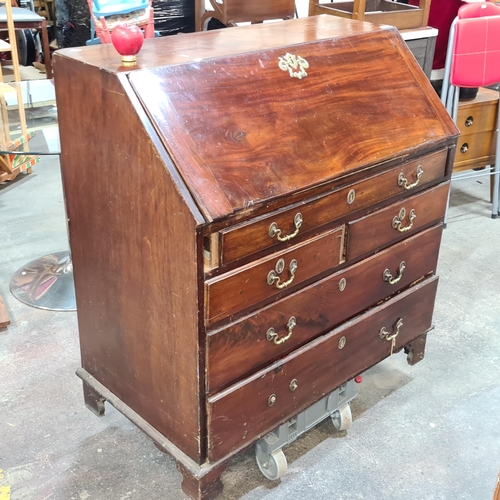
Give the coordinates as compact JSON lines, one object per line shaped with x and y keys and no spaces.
{"x":271,"y":400}
{"x":293,"y":384}
{"x":397,"y":222}
{"x":384,"y":334}
{"x":403,"y":181}
{"x":295,"y":65}
{"x":273,"y":278}
{"x":469,"y":121}
{"x":464,"y":148}
{"x":387,"y":276}
{"x":272,"y":336}
{"x":342,"y":342}
{"x":342,"y":284}
{"x":351,"y":196}
{"x":275,"y":231}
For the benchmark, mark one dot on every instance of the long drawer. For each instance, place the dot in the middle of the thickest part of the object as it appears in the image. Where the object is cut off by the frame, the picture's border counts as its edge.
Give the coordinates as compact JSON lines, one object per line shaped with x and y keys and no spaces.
{"x":396,"y":221}
{"x":248,"y":238}
{"x":253,"y":407}
{"x":257,"y":340}
{"x":247,"y":286}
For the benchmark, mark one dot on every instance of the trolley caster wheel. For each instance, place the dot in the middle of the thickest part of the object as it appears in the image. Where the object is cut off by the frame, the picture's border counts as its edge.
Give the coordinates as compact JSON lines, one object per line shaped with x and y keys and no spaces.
{"x":342,"y":419}
{"x":275,"y":467}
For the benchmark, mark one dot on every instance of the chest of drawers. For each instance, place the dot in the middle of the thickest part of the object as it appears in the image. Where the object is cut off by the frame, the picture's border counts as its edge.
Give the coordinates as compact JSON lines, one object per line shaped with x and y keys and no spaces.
{"x":255,"y":218}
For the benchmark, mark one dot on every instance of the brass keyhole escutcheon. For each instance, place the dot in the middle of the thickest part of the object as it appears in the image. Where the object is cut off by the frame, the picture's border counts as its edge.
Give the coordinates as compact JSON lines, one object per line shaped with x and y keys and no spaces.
{"x":280,"y":266}
{"x":342,"y":342}
{"x":351,"y":196}
{"x":294,"y":384}
{"x":342,"y":284}
{"x":464,"y":148}
{"x":469,"y":121}
{"x":271,"y":400}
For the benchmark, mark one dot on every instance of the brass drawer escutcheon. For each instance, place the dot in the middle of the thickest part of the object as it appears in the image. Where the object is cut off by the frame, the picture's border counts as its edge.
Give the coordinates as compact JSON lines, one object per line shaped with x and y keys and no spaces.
{"x":295,"y":65}
{"x":275,"y":231}
{"x":342,"y":342}
{"x":342,"y":284}
{"x":390,"y":336}
{"x":272,"y":336}
{"x":464,"y":148}
{"x":469,"y":121}
{"x":397,"y":222}
{"x":403,"y":181}
{"x":293,"y":385}
{"x":351,"y":196}
{"x":273,"y":276}
{"x":387,"y":276}
{"x":271,"y":400}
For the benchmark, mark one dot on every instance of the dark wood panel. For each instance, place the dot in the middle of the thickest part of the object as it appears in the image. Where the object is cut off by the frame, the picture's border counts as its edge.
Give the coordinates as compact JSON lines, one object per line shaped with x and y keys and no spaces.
{"x":235,"y":351}
{"x":378,"y":230}
{"x":247,"y":286}
{"x":240,"y":414}
{"x":133,"y":241}
{"x":254,"y":236}
{"x":246,"y":136}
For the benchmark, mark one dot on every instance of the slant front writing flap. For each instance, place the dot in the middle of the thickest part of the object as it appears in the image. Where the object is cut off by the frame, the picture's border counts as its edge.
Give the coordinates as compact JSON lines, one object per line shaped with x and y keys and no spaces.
{"x":252,"y":127}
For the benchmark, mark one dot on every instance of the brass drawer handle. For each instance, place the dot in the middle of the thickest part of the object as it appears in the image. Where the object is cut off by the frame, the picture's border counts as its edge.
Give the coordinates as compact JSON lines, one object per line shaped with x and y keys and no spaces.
{"x":273,"y":276}
{"x":272,"y":336}
{"x":384,"y":334}
{"x":387,"y":276}
{"x":397,"y":222}
{"x":469,"y":121}
{"x":403,"y":181}
{"x":275,"y":231}
{"x":464,"y":148}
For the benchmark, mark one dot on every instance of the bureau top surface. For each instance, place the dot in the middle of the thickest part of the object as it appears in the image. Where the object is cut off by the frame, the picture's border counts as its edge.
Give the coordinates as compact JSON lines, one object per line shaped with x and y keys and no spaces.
{"x":242,"y":130}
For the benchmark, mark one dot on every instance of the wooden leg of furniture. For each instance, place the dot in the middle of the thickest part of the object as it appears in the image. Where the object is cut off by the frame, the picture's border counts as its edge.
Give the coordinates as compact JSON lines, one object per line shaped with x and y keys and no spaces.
{"x":207,"y":487}
{"x":416,"y":350}
{"x":46,"y":50}
{"x":93,"y":400}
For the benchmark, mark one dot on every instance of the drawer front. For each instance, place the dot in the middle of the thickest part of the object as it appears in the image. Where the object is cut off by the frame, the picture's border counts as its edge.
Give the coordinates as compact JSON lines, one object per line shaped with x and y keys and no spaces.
{"x":247,"y":345}
{"x":245,"y":287}
{"x":475,"y":146}
{"x":248,"y":238}
{"x":396,"y":221}
{"x":250,"y":409}
{"x":472,"y":119}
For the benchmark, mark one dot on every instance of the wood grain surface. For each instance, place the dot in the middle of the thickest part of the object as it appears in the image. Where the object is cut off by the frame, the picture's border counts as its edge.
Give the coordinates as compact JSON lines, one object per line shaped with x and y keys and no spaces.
{"x":239,"y":349}
{"x":275,"y":135}
{"x":376,"y":231}
{"x":240,"y":414}
{"x":135,"y":255}
{"x":247,"y":238}
{"x":232,"y":292}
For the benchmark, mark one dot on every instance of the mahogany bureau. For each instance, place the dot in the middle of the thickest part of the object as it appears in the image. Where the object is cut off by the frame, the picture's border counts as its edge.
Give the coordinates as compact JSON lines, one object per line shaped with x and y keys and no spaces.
{"x":255,"y":217}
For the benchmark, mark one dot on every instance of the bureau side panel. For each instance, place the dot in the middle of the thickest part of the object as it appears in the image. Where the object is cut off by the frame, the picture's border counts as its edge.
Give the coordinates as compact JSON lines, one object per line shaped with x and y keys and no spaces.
{"x":133,"y":240}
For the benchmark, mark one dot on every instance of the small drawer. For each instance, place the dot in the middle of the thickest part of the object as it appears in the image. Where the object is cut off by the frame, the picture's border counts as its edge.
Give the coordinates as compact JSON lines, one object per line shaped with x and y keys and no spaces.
{"x":251,"y":284}
{"x":255,"y":406}
{"x":250,"y":237}
{"x":255,"y":341}
{"x":475,"y":147}
{"x":479,"y":114}
{"x":397,"y":221}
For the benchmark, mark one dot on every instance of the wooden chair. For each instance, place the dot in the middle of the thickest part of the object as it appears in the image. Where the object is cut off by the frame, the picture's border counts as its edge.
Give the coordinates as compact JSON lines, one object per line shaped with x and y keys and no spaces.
{"x":25,"y":19}
{"x":231,"y":12}
{"x":396,"y":14}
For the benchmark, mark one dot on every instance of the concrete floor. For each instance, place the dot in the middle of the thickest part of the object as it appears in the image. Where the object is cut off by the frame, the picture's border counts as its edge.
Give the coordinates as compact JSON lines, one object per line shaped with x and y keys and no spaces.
{"x":431,"y":431}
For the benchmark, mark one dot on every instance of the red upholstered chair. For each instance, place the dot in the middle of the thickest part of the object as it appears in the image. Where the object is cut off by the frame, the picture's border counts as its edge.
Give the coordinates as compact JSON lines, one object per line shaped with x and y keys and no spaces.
{"x":473,"y":60}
